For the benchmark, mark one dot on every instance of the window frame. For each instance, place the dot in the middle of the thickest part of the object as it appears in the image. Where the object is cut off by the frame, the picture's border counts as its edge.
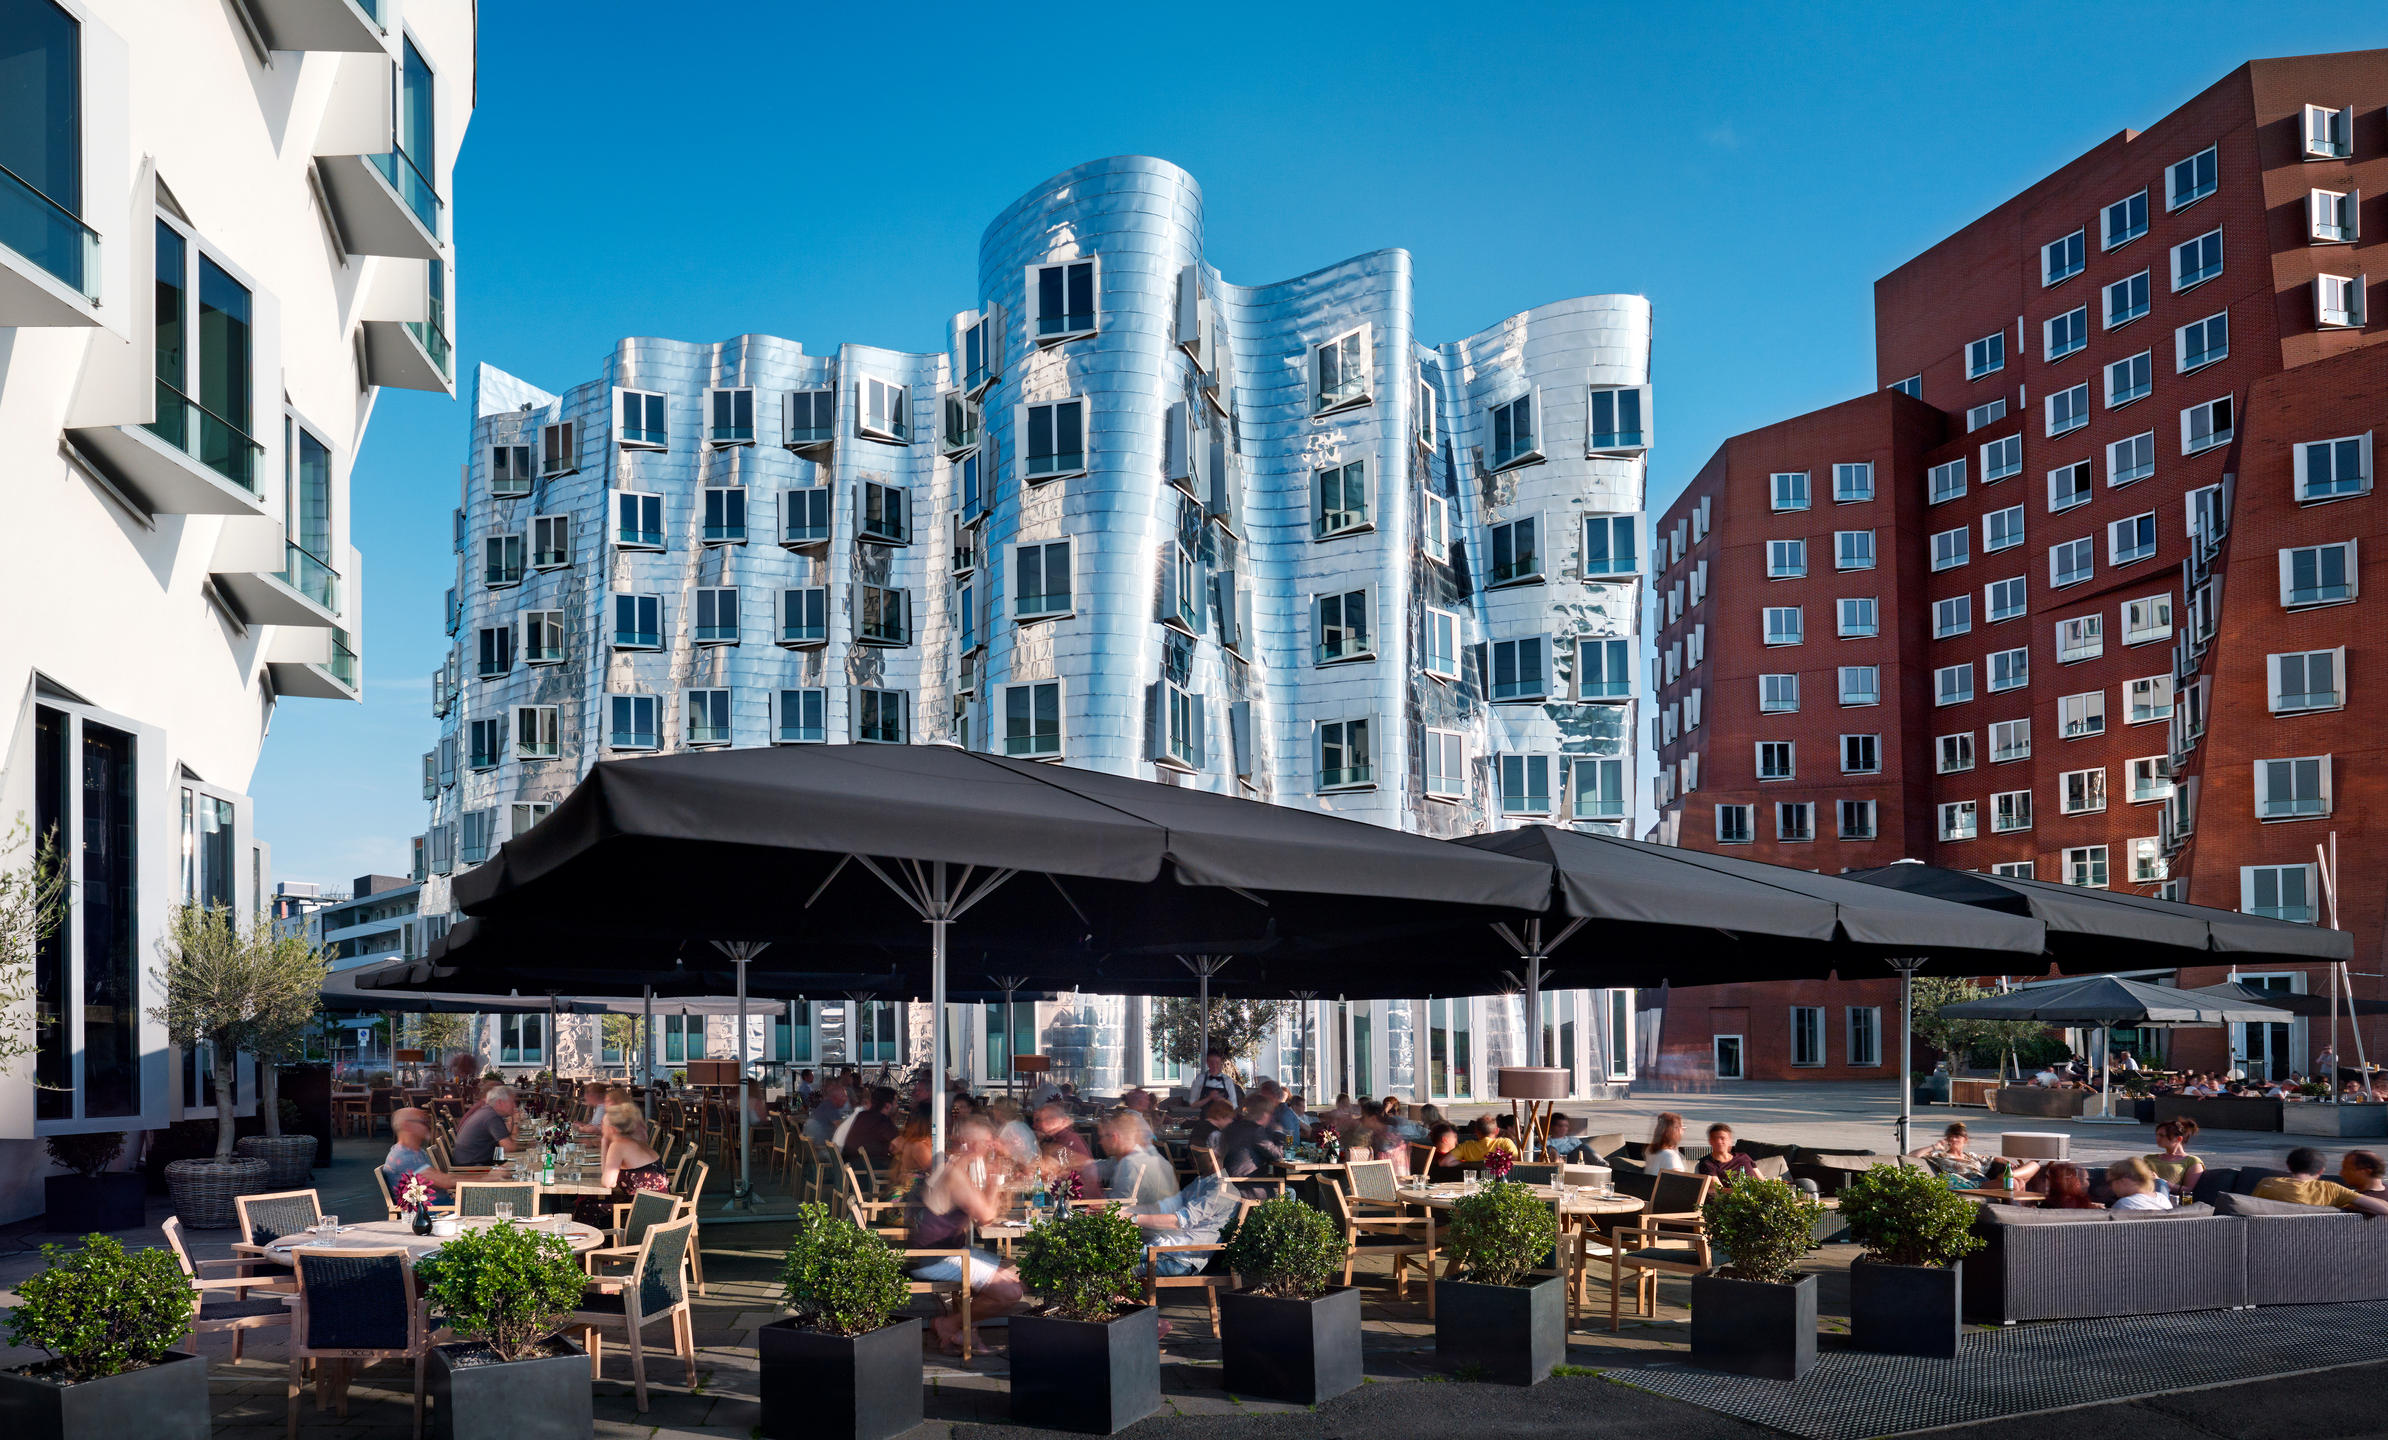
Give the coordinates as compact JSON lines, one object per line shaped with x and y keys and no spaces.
{"x":2276,"y":693}
{"x":1532,"y":451}
{"x":897,"y":701}
{"x":1019,"y":596}
{"x":1347,"y":395}
{"x":2175,"y":197}
{"x":1032,"y":291}
{"x":717,"y":434}
{"x":652,"y":405}
{"x":1005,"y":742}
{"x":2108,"y":237}
{"x":1352,"y":522}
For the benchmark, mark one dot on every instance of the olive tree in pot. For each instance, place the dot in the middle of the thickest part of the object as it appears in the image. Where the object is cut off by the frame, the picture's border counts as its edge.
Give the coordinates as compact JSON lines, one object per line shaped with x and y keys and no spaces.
{"x":1091,"y":1359}
{"x":1289,"y":1334}
{"x":279,"y":1036}
{"x":1906,"y":1294}
{"x":506,"y":1290}
{"x":108,"y":1321}
{"x":90,"y":1196}
{"x":840,"y":1365}
{"x":1757,"y":1316}
{"x":1505,"y":1321}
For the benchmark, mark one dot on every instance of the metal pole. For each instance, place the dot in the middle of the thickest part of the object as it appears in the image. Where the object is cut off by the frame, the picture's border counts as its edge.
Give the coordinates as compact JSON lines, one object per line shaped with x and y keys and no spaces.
{"x":646,"y":1046}
{"x":940,"y":912}
{"x":1202,"y":1050}
{"x":1534,"y":1006}
{"x":1906,"y":1052}
{"x":746,"y":1137}
{"x":1010,"y":1019}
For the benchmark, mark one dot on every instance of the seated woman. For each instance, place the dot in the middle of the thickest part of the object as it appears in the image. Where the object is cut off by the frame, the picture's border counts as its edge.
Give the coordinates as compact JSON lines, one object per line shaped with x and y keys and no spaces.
{"x":1665,"y":1151}
{"x":908,"y":1157}
{"x":1951,"y":1158}
{"x":1444,"y":1163}
{"x":1723,"y":1161}
{"x":2172,"y":1163}
{"x":2068,"y":1187}
{"x":940,"y":1216}
{"x":630,"y":1165}
{"x":1400,"y":1123}
{"x":2134,"y":1186}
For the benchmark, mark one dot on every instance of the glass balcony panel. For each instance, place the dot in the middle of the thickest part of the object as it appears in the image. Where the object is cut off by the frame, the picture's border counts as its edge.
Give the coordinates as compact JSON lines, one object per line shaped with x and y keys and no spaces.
{"x":310,"y":577}
{"x":48,"y":234}
{"x":207,"y":438}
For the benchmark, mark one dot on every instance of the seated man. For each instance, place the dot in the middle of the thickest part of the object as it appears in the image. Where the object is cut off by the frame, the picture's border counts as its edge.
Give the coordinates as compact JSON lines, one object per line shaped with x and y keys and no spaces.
{"x":410,"y":1155}
{"x":1722,"y":1161}
{"x":1562,"y":1141}
{"x":1194,"y":1216}
{"x":2304,"y":1185}
{"x":483,"y":1131}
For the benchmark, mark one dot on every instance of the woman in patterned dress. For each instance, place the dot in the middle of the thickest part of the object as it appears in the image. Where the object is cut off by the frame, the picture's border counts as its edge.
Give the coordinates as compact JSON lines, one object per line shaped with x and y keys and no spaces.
{"x":629,"y":1164}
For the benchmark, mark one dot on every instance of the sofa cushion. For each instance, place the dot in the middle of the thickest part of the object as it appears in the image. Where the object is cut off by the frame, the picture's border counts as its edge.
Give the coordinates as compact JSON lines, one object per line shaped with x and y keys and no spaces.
{"x":2247,"y":1177}
{"x":2010,"y":1215}
{"x":2234,"y":1203}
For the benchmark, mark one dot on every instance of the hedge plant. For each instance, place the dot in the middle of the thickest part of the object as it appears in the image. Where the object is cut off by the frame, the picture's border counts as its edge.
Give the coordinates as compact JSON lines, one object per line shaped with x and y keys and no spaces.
{"x":1286,"y":1249}
{"x":1766,"y":1226}
{"x":503,"y":1285}
{"x":86,"y":1155}
{"x":1082,"y":1263}
{"x":1906,"y":1216}
{"x":1501,"y":1233}
{"x":839,"y":1278}
{"x":100,"y":1311}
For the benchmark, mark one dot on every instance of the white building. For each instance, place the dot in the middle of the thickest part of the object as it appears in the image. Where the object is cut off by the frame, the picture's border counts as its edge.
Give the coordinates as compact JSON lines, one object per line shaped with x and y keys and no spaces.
{"x":223,"y":230}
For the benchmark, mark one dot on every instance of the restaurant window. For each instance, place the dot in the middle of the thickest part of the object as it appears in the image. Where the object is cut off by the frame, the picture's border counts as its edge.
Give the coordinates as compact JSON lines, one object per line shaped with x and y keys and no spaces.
{"x":683,"y":1038}
{"x":1865,"y":1035}
{"x":1807,"y":1035}
{"x":522,"y":1040}
{"x":1449,"y":1065}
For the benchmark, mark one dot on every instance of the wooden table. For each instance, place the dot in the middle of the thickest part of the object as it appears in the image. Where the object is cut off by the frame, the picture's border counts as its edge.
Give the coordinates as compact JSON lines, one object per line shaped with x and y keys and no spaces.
{"x":1582,"y":1202}
{"x":400,"y":1234}
{"x":503,"y":1175}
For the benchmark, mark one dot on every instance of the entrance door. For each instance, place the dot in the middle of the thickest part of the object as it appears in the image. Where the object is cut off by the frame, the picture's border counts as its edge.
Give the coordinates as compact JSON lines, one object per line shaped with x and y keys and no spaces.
{"x":2268,"y":1052}
{"x":1728,"y":1057}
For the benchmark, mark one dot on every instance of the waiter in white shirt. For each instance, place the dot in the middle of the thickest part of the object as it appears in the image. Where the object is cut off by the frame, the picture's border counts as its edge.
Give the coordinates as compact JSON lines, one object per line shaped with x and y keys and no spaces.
{"x":1214,"y":1080}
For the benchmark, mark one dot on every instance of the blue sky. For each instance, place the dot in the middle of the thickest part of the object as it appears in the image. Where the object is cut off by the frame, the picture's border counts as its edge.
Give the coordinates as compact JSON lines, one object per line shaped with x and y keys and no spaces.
{"x":823,"y":173}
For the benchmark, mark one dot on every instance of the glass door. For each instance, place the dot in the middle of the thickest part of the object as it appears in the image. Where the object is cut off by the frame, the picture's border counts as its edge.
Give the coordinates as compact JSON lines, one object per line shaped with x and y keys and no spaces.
{"x":2267,"y":1052}
{"x":1728,"y":1057}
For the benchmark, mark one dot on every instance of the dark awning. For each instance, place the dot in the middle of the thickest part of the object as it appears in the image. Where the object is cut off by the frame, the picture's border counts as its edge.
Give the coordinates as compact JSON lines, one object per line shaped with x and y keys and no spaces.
{"x":2112,"y":1000}
{"x":2100,"y":925}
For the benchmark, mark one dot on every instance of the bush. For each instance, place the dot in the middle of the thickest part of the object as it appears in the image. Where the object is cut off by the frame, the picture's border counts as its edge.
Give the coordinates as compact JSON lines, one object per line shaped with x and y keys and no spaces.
{"x":1286,"y":1249}
{"x":1765,"y":1225}
{"x":505,"y":1286}
{"x":1905,"y":1216}
{"x":1083,"y":1263}
{"x":1501,"y":1233}
{"x":100,"y":1311}
{"x":838,"y":1278}
{"x":85,"y":1155}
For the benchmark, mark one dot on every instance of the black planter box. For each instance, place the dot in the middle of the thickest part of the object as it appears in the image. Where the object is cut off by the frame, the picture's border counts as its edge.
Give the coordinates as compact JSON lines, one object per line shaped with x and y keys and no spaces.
{"x":1906,"y":1309}
{"x":474,"y":1396}
{"x":1096,"y":1377}
{"x":1749,"y":1328}
{"x":78,"y":1205}
{"x":165,"y":1401}
{"x":862,"y":1387}
{"x":1510,"y":1334}
{"x":1298,"y":1351}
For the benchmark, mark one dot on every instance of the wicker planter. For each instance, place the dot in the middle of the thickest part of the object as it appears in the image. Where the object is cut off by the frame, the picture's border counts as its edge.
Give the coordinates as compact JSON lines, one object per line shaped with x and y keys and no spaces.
{"x":202,"y":1191}
{"x":290,"y":1159}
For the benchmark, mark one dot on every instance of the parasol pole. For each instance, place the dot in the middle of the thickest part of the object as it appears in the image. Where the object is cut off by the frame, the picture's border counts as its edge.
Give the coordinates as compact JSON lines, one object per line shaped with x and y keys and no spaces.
{"x":646,"y":1046}
{"x":742,"y":1195}
{"x":1907,"y":965}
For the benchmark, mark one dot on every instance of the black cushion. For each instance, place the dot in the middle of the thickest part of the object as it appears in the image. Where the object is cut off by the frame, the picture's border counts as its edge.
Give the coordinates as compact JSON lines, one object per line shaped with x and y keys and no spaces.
{"x":600,"y":1302}
{"x":227,"y":1308}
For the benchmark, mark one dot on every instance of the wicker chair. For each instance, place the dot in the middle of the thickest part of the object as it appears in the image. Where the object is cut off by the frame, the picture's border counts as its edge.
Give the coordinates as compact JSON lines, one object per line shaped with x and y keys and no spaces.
{"x":1210,"y":1279}
{"x":692,"y":1198}
{"x":1374,"y":1187}
{"x":1671,"y":1238}
{"x":223,"y":1303}
{"x":655,"y":1288}
{"x":1408,"y":1241}
{"x":267,"y":1218}
{"x":481,"y":1197}
{"x":353,"y":1305}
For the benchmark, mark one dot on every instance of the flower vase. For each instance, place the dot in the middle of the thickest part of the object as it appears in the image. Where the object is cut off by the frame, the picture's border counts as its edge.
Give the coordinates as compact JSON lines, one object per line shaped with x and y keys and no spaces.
{"x":422,"y":1221}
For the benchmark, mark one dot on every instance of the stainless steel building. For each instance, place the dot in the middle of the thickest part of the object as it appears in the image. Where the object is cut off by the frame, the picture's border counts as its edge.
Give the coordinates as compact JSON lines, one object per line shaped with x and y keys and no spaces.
{"x":1258,"y":539}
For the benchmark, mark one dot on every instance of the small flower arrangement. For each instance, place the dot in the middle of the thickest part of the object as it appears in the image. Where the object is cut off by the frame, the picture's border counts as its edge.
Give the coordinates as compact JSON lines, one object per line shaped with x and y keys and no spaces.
{"x":1068,"y":1186}
{"x":415,"y":1192}
{"x":1497,"y":1162}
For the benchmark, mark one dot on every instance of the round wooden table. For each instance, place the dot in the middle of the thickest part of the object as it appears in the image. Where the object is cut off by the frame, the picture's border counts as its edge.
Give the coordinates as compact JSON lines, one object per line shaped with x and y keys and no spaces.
{"x":400,"y":1234}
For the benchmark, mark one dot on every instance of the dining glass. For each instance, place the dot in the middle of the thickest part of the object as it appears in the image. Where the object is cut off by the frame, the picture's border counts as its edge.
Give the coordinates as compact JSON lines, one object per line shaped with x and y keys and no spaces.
{"x":331,"y":1223}
{"x":503,"y":1209}
{"x":1472,"y":1178}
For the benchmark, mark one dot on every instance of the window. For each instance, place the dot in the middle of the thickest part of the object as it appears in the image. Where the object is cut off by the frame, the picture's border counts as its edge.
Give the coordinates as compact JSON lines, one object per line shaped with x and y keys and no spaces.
{"x":2124,"y":221}
{"x":1986,"y":414}
{"x":2083,"y":715}
{"x":708,"y":717}
{"x":484,"y":744}
{"x":1525,"y":784}
{"x":2151,"y":699}
{"x":1733,"y":825}
{"x":496,"y":651}
{"x":1032,"y":720}
{"x":1861,"y":684}
{"x":2280,"y":892}
{"x":1446,"y":765}
{"x":1947,"y":481}
{"x":2128,"y":379}
{"x":635,"y":722}
{"x":1441,"y":650}
{"x":1857,"y":820}
{"x":886,"y":514}
{"x":643,"y":425}
{"x":2200,"y":343}
{"x":2151,"y":779}
{"x":2305,"y":680}
{"x":1778,"y":694}
{"x":559,"y":450}
{"x":804,"y":517}
{"x":2010,"y":740}
{"x":2002,"y":529}
{"x":2081,"y":638}
{"x":2085,"y":865}
{"x":1957,"y":820}
{"x":1861,"y":754}
{"x":1949,"y":548}
{"x":2127,"y":462}
{"x":638,"y":521}
{"x":886,"y":616}
{"x":638,"y":622}
{"x":1344,"y":761}
{"x":480,"y":837}
{"x":1518,"y":671}
{"x":1513,"y":435}
{"x":2296,"y":789}
{"x":523,"y":814}
{"x":1790,"y":489}
{"x":2188,"y":181}
{"x":1986,"y":355}
{"x":1953,"y":616}
{"x":2131,"y":539}
{"x":551,"y":541}
{"x":1056,"y":438}
{"x":2005,"y":599}
{"x":2147,"y":619}
{"x":2126,"y":300}
{"x":543,"y":637}
{"x":717,"y":616}
{"x":2329,"y":134}
{"x":509,"y":471}
{"x":1609,"y":545}
{"x":2334,"y":469}
{"x":2072,"y":562}
{"x":1853,"y":482}
{"x":1041,"y":580}
{"x":1342,"y":630}
{"x":2194,"y":262}
{"x":2338,"y":301}
{"x":801,"y":718}
{"x":2068,"y":486}
{"x":2061,"y":260}
{"x":2065,"y":333}
{"x":1912,"y":385}
{"x":811,"y":418}
{"x":2015,"y":869}
{"x":2332,"y":215}
{"x":1062,"y":298}
{"x":1603,"y":669}
{"x":2083,"y":792}
{"x":501,"y":561}
{"x":535,"y":732}
{"x":882,"y":717}
{"x":2002,"y":457}
{"x":804,"y":616}
{"x":1952,"y":684}
{"x":1597,"y":788}
{"x":1342,"y":500}
{"x":883,"y":411}
{"x":2008,"y":669}
{"x":2068,"y":409}
{"x":959,"y":433}
{"x":1776,"y":760}
{"x":732,"y":417}
{"x":1795,"y":820}
{"x":2010,"y":810}
{"x":1786,"y":559}
{"x":725,"y":515}
{"x":1783,"y":625}
{"x":1860,"y":616}
{"x":1617,"y":420}
{"x":1516,"y":558}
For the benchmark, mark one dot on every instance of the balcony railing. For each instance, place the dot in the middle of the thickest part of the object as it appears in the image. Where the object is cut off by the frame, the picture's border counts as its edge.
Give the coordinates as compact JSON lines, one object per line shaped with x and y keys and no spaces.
{"x":302,"y":572}
{"x":48,"y":234}
{"x":207,"y":437}
{"x":433,"y":339}
{"x":343,"y":665}
{"x":412,"y":185}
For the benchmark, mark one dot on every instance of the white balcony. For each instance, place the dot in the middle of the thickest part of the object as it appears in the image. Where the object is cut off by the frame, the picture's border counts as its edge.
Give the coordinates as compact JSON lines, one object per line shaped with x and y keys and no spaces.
{"x":353,"y":25}
{"x":316,"y":664}
{"x":382,"y":200}
{"x":188,"y":461}
{"x":273,"y":581}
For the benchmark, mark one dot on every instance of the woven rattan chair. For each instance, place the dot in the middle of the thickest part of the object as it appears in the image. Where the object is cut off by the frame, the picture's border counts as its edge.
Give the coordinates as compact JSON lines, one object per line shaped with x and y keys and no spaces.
{"x":1408,"y":1242}
{"x":646,"y":1210}
{"x":353,"y":1305}
{"x":250,"y":1298}
{"x":692,"y":1199}
{"x":1670,"y":1238}
{"x":481,"y":1197}
{"x":267,"y":1218}
{"x":655,"y":1288}
{"x":1210,"y":1279}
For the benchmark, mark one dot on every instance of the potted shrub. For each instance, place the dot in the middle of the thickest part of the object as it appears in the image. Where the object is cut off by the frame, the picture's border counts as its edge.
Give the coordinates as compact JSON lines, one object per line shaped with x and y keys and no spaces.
{"x":1290,"y":1334}
{"x":1906,"y":1293}
{"x":90,"y":1196}
{"x":505,"y":1290}
{"x":1090,"y":1360}
{"x":839,"y":1365}
{"x":1504,"y":1321}
{"x":108,"y":1321}
{"x":1757,"y":1316}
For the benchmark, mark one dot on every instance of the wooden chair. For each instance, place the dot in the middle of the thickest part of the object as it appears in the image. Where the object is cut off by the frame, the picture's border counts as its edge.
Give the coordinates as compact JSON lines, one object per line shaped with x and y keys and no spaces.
{"x":1669,"y":1238}
{"x":692,"y":1200}
{"x":858,"y":1199}
{"x":223,"y":1303}
{"x":1408,"y":1241}
{"x":957,"y":1290}
{"x":389,"y":1202}
{"x":1374,"y":1187}
{"x":1421,"y":1156}
{"x":1209,"y":1280}
{"x":267,"y":1218}
{"x":646,"y":1210}
{"x":654,"y":1288}
{"x":775,"y":1159}
{"x":353,"y":1305}
{"x":481,"y":1197}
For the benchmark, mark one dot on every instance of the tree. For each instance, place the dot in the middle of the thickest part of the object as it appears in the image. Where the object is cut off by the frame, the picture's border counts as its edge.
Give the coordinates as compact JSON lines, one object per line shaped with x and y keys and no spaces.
{"x":32,"y":907}
{"x":1956,"y":1038}
{"x":1237,"y":1027}
{"x":439,"y":1034}
{"x":232,"y":987}
{"x":621,"y":1034}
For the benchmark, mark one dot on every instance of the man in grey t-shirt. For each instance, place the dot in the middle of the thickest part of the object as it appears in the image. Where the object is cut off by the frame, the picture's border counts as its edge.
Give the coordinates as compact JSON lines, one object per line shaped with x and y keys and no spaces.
{"x":485,"y":1129}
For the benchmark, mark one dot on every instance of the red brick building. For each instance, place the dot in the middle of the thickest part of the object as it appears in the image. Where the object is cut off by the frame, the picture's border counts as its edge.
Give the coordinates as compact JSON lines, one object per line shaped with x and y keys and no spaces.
{"x":2149,"y":373}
